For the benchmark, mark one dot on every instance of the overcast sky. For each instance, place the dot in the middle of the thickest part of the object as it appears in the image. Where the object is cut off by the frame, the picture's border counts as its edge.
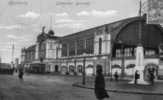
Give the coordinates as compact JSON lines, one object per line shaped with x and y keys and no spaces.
{"x":21,"y":20}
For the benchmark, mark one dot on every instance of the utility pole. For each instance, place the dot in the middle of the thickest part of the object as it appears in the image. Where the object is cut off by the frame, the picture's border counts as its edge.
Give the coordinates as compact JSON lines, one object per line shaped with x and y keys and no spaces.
{"x":12,"y":55}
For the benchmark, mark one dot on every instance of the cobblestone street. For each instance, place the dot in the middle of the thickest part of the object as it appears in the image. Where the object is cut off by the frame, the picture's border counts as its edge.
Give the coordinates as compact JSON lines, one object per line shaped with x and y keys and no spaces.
{"x":48,"y":87}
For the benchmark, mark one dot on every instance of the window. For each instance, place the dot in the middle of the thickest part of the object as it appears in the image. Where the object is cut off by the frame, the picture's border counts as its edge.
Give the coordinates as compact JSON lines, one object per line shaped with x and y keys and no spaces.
{"x":100,"y":45}
{"x":64,"y":49}
{"x":128,"y":52}
{"x":150,"y":53}
{"x":80,"y":46}
{"x":72,"y":48}
{"x":118,"y":53}
{"x":89,"y":45}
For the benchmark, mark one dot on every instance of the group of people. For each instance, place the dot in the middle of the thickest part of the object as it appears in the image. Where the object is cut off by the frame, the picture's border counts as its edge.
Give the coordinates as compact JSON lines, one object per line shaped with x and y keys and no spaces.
{"x":100,"y":91}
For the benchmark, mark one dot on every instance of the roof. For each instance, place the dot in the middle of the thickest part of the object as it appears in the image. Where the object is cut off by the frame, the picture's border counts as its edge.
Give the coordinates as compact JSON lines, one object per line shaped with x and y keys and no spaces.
{"x":44,"y":36}
{"x":113,"y":28}
{"x":151,"y":34}
{"x":31,"y":48}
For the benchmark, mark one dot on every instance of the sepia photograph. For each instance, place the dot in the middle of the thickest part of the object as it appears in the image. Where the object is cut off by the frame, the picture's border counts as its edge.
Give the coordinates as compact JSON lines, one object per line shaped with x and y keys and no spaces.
{"x":81,"y":49}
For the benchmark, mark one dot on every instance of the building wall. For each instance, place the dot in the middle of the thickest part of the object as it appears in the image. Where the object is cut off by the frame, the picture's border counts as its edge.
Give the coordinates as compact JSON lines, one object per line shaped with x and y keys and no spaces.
{"x":37,"y":50}
{"x":105,"y":47}
{"x":69,"y":50}
{"x":51,"y":49}
{"x":130,"y":71}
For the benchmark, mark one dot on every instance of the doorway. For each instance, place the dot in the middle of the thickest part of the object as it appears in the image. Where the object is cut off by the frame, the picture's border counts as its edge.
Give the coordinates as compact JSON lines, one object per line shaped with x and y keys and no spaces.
{"x":56,"y":68}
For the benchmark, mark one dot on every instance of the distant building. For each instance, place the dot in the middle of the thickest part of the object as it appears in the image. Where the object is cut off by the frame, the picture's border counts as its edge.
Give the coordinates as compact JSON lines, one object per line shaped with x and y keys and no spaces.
{"x":23,"y":54}
{"x":111,"y":45}
{"x":16,"y":63}
{"x":28,"y":55}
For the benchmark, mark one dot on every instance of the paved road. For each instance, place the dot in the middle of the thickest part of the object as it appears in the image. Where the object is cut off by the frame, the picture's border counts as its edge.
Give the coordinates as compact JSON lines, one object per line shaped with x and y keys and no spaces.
{"x":39,"y":87}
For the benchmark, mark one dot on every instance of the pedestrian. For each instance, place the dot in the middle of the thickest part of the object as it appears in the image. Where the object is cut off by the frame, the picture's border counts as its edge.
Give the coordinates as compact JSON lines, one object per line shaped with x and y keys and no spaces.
{"x":136,"y":76}
{"x":100,"y":91}
{"x":21,"y":73}
{"x":116,"y":76}
{"x":152,"y":77}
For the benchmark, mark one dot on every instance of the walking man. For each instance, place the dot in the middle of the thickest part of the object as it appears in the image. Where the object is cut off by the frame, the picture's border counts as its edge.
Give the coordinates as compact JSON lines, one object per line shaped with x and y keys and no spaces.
{"x":136,"y":76}
{"x":100,"y":91}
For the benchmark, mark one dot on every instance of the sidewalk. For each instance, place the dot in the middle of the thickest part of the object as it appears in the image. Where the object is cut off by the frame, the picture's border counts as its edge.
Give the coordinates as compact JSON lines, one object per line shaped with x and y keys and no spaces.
{"x":122,"y":86}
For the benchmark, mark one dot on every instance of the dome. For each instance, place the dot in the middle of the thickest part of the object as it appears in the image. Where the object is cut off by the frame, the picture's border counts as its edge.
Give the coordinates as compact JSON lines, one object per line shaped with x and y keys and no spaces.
{"x":51,"y":32}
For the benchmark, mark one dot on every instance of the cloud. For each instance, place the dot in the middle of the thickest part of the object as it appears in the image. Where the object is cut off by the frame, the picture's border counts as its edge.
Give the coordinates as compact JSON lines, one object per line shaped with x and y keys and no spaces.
{"x":68,"y":20}
{"x":98,"y":13}
{"x":64,"y":14}
{"x":17,"y":38}
{"x":83,"y":13}
{"x":12,"y":36}
{"x":64,"y":20}
{"x":30,"y":14}
{"x":10,"y":27}
{"x":104,"y":13}
{"x":71,"y":25}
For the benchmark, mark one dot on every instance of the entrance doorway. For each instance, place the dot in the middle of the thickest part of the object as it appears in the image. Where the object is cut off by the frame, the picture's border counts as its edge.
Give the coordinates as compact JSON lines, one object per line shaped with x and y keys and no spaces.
{"x":56,"y":68}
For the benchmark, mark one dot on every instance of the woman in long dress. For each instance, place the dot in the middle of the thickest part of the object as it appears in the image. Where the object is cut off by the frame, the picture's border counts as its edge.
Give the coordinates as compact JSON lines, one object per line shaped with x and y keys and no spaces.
{"x":100,"y":91}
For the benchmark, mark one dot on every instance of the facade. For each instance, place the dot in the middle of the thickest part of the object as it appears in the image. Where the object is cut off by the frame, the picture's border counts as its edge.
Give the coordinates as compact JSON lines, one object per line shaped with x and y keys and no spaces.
{"x":111,"y":45}
{"x":28,"y":55}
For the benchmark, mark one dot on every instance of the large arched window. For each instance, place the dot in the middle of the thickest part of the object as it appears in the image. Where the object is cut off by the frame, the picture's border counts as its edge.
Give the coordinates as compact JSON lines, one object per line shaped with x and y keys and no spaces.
{"x":100,"y":45}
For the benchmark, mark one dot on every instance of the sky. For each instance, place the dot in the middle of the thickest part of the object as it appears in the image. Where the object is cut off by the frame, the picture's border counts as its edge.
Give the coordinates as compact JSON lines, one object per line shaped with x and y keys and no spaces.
{"x":21,"y":20}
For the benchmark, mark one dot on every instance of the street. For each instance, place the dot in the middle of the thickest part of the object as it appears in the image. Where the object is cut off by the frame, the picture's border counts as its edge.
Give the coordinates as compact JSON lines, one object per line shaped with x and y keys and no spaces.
{"x":52,"y":87}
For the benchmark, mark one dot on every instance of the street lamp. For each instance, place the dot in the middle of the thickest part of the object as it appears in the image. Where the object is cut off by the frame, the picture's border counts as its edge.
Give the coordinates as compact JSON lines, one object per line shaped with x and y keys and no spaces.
{"x":84,"y":58}
{"x":123,"y":59}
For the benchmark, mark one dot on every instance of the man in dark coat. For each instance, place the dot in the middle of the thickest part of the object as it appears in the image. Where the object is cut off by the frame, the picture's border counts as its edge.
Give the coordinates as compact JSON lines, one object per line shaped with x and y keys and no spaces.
{"x":100,"y":91}
{"x":21,"y":73}
{"x":116,"y":76}
{"x":136,"y":76}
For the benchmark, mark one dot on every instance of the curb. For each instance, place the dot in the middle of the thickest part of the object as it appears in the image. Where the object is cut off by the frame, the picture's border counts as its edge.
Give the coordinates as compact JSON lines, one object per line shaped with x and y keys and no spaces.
{"x":119,"y":91}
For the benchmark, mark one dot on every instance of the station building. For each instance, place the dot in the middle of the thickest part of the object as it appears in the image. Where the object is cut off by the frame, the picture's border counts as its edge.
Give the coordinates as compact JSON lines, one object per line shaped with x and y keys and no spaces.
{"x":111,"y":45}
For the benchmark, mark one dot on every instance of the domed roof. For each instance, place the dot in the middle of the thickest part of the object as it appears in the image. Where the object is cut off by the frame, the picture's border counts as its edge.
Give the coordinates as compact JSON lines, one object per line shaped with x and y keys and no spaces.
{"x":51,"y":32}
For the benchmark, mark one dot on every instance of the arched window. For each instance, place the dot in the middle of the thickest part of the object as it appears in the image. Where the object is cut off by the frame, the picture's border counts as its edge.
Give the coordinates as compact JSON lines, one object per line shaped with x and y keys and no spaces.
{"x":71,"y":68}
{"x":100,"y":45}
{"x":80,"y":67}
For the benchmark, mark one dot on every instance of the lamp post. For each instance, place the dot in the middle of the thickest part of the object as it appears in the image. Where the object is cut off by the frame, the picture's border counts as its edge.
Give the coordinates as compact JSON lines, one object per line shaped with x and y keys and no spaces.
{"x":123,"y":59}
{"x":83,"y":79}
{"x":110,"y":63}
{"x":140,"y":53}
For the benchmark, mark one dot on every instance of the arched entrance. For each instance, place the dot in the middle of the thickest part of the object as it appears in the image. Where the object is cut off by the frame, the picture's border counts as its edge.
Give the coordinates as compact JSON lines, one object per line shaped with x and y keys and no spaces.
{"x":56,"y":68}
{"x":79,"y":69}
{"x":151,"y":67}
{"x":116,"y":68}
{"x":64,"y":70}
{"x":72,"y":69}
{"x":89,"y":70}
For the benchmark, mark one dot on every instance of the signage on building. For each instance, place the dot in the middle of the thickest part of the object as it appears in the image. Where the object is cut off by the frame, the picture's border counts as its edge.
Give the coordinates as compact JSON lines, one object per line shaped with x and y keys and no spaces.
{"x":155,"y":12}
